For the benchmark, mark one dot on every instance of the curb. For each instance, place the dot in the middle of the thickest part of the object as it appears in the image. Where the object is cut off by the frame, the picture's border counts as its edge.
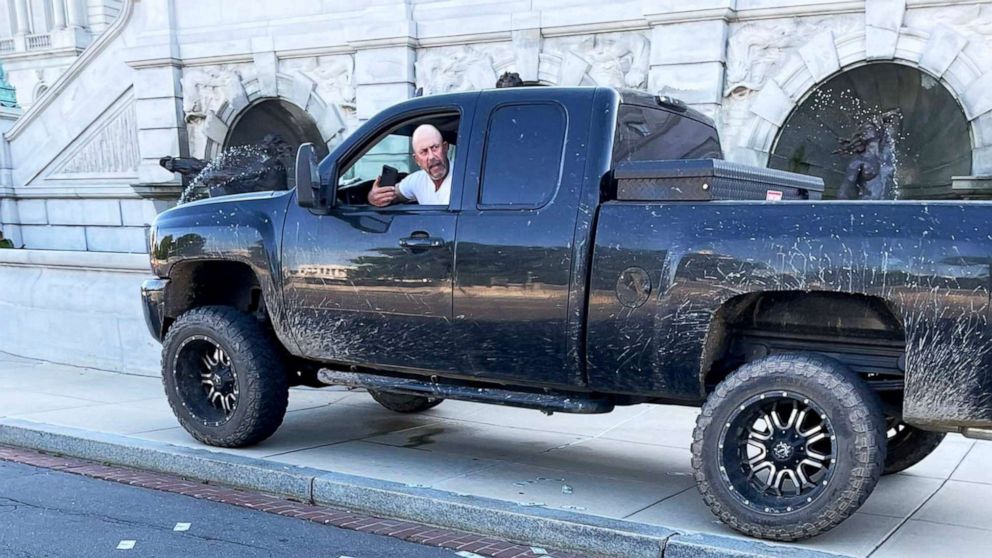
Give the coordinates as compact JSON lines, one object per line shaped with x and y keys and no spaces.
{"x":534,"y":525}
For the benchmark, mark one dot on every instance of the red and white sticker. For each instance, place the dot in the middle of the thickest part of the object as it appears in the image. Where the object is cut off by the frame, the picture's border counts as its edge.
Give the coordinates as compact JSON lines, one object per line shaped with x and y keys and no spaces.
{"x":773,"y":195}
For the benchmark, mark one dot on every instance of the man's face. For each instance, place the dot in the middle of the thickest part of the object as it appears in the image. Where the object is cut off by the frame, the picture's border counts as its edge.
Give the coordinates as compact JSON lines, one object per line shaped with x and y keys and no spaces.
{"x":431,"y":154}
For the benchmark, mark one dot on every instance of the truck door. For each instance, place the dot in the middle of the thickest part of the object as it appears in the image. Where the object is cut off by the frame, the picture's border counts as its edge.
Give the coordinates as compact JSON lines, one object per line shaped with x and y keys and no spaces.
{"x":369,"y":285}
{"x":515,"y":247}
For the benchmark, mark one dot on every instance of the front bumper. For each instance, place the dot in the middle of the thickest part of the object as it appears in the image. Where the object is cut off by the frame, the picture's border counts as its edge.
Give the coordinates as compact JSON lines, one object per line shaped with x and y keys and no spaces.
{"x":153,"y":306}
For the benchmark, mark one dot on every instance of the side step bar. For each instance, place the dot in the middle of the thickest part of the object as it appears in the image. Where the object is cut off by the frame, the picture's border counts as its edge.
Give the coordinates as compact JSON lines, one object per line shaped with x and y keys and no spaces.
{"x":544,"y":401}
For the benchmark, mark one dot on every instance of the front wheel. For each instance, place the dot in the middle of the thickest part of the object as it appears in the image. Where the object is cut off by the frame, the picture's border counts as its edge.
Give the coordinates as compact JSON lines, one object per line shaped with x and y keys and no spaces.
{"x":224,"y":377}
{"x":788,"y":446}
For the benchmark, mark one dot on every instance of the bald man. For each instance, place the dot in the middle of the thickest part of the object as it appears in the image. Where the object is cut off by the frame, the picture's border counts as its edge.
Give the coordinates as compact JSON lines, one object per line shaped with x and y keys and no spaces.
{"x":431,"y":185}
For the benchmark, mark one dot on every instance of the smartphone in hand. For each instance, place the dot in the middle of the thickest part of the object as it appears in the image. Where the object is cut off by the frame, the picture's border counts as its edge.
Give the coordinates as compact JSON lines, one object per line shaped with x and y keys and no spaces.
{"x":389,"y":177}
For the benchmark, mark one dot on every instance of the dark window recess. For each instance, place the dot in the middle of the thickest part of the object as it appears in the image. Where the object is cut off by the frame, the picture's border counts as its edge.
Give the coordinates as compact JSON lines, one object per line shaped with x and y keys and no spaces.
{"x":523,"y":155}
{"x":647,"y":134}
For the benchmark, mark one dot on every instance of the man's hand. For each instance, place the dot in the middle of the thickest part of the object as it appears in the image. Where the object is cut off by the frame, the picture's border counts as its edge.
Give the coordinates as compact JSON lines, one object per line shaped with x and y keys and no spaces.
{"x":381,"y":196}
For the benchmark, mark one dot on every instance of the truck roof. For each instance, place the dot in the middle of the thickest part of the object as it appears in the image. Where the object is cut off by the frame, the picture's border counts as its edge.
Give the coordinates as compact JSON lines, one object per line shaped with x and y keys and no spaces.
{"x":626,"y":96}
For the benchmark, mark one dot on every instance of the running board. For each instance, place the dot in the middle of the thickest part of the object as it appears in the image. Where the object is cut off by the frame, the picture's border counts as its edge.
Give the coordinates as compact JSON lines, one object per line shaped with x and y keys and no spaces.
{"x":545,"y":401}
{"x":976,"y":433}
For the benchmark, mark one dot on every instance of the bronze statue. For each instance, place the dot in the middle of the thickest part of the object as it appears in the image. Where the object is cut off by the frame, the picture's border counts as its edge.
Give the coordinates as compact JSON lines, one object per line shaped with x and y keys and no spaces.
{"x":239,"y":169}
{"x":871,"y":173}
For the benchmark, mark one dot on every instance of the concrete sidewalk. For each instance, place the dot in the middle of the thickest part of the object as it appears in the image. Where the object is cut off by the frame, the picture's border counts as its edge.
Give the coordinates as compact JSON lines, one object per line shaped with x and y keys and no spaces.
{"x":631,"y":465}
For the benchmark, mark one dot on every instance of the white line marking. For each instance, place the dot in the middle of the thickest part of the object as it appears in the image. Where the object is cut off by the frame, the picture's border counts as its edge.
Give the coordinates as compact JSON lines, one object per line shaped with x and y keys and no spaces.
{"x":126,"y":545}
{"x":182,"y":527}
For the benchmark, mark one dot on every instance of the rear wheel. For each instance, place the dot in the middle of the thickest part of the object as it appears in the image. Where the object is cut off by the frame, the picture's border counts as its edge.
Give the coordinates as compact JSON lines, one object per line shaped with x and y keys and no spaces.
{"x":402,"y":403}
{"x":789,"y":446}
{"x":224,"y":377}
{"x":907,"y":445}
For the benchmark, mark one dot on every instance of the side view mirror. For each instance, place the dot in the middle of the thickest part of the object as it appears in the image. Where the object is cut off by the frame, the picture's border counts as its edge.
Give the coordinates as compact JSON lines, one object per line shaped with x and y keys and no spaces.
{"x":307,"y":177}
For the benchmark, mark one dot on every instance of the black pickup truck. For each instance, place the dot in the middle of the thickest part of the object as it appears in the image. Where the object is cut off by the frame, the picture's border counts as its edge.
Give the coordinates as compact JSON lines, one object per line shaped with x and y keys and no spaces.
{"x":596,"y":251}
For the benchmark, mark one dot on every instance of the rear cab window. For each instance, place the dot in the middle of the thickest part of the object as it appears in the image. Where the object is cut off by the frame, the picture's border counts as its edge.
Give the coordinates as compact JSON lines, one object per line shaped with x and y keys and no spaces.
{"x":523,"y":157}
{"x":656,"y":134}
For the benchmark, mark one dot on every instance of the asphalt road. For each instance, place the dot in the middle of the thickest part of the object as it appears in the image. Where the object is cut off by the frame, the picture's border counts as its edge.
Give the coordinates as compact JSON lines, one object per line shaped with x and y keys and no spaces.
{"x":45,"y":513}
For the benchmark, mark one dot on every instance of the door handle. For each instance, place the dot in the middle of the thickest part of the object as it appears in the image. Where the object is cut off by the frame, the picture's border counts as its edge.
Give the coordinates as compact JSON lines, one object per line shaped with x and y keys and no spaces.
{"x":421,"y":242}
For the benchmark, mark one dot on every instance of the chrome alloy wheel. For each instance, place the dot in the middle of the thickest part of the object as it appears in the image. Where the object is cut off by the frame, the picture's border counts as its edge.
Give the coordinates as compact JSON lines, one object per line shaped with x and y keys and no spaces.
{"x":206,"y":380}
{"x":777,"y":451}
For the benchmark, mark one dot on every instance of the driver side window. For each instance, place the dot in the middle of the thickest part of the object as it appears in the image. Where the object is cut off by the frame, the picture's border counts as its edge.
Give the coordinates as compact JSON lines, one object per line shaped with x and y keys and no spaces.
{"x":393,"y":149}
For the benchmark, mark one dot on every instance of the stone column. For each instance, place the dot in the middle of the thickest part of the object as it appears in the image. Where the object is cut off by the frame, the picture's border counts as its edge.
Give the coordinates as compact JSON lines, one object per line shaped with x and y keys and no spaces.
{"x":76,"y":13}
{"x":23,"y":21}
{"x":689,"y":51}
{"x":58,"y":13}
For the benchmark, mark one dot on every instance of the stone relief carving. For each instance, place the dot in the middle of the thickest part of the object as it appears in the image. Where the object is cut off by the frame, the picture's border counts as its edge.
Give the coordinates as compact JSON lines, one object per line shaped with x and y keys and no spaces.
{"x":204,"y":88}
{"x":334,"y":76}
{"x":461,"y":68}
{"x":111,"y":151}
{"x":755,"y":49}
{"x":969,"y":20}
{"x":613,"y":59}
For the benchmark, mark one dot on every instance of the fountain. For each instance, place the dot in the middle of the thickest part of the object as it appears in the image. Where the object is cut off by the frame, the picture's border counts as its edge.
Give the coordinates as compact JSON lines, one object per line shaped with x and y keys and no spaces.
{"x":237,"y":170}
{"x":871,"y":173}
{"x":879,"y":131}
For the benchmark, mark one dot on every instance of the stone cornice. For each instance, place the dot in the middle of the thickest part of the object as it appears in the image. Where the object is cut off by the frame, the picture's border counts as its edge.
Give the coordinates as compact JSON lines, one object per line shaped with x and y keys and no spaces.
{"x":46,"y":54}
{"x":155,"y":63}
{"x":73,"y":71}
{"x":384,"y":42}
{"x":838,"y":8}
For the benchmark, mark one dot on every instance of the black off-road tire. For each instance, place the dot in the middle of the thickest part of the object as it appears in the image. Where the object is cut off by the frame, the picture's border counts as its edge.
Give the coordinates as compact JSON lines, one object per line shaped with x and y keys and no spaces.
{"x":257,"y":369}
{"x":849,"y":412}
{"x":402,"y":403}
{"x":907,"y":446}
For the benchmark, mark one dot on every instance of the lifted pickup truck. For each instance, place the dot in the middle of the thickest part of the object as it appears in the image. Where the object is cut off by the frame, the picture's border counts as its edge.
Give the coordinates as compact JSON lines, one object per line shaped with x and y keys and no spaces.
{"x":596,"y":251}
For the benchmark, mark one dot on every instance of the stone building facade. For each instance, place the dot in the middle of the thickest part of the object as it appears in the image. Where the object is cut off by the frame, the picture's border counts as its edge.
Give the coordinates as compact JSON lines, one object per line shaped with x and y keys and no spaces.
{"x":79,"y":173}
{"x":39,"y":39}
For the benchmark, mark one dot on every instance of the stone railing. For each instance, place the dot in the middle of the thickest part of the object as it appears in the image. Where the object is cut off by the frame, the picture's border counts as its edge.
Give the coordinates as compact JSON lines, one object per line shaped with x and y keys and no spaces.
{"x":7,"y":45}
{"x":35,"y":42}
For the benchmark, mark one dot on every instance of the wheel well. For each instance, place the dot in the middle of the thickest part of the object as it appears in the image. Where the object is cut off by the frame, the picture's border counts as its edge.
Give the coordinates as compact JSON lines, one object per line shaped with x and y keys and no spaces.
{"x":209,"y":283}
{"x":861,"y":331}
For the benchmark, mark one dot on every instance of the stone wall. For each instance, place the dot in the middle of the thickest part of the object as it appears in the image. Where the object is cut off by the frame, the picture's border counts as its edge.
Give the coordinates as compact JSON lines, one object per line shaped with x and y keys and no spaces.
{"x":78,"y":308}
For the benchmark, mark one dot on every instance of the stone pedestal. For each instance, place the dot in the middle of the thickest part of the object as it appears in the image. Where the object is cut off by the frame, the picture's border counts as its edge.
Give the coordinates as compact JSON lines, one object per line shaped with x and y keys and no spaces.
{"x":971,"y":187}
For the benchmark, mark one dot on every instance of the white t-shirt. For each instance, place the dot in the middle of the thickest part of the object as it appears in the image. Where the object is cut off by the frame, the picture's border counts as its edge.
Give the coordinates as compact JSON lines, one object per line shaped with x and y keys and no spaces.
{"x":418,"y":186}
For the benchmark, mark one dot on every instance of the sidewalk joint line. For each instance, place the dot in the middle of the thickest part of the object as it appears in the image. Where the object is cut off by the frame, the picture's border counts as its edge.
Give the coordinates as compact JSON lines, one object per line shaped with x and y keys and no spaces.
{"x":669,"y":497}
{"x":909,"y":516}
